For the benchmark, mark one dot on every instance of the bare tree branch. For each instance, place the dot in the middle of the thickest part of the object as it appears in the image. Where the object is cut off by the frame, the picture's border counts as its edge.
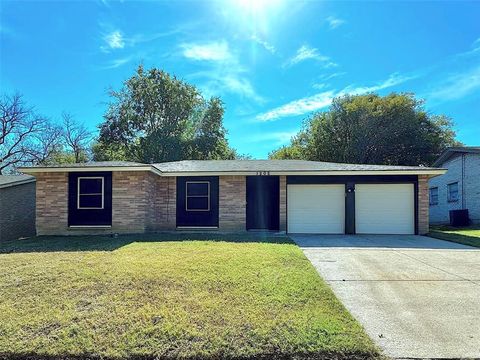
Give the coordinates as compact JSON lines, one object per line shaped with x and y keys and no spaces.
{"x":76,"y":136}
{"x":25,"y":137}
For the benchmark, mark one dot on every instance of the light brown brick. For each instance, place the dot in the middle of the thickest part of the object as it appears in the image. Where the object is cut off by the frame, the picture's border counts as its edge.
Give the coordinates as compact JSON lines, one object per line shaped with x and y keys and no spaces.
{"x":232,"y":203}
{"x":423,"y":205}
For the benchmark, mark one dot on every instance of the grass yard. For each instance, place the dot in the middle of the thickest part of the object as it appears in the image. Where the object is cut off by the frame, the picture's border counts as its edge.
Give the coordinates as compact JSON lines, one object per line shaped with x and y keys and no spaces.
{"x":169,"y":296}
{"x":467,"y":236}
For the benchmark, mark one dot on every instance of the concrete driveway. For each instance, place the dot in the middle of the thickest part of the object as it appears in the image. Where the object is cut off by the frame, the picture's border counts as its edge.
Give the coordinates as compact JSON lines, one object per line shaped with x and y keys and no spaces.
{"x":417,"y":297}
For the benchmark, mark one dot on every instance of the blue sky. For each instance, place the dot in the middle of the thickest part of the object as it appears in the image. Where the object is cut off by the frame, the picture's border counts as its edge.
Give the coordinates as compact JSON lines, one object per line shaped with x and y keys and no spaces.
{"x":273,"y":62}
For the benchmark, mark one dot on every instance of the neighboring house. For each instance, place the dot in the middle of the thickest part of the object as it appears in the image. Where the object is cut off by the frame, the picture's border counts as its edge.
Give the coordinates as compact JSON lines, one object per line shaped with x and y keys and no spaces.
{"x":232,"y":195}
{"x":459,"y":188}
{"x":17,"y":206}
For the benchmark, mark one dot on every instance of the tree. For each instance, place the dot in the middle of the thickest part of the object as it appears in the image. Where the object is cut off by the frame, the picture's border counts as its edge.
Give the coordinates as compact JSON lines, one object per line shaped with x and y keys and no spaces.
{"x":76,"y":137}
{"x":371,"y":129}
{"x":108,"y":152}
{"x":156,"y":117}
{"x":290,"y":152}
{"x":26,"y":138}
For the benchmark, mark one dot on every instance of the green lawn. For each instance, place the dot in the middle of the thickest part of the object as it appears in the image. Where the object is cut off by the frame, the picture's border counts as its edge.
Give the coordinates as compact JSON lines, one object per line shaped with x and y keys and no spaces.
{"x":467,"y":236}
{"x":170,"y":296}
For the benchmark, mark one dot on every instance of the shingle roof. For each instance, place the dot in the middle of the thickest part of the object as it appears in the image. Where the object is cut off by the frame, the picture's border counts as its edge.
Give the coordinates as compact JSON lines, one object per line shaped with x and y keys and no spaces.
{"x":270,"y":165}
{"x":447,"y":154}
{"x":12,"y":180}
{"x":94,"y":164}
{"x":228,"y":166}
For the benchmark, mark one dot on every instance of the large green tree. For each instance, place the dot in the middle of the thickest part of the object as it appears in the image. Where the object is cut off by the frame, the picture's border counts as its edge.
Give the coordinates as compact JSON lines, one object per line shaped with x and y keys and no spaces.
{"x":156,"y":117}
{"x":371,"y":129}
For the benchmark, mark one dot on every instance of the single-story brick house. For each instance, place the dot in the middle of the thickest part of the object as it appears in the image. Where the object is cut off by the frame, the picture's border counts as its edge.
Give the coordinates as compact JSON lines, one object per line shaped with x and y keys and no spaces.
{"x":17,"y":206}
{"x":232,"y":195}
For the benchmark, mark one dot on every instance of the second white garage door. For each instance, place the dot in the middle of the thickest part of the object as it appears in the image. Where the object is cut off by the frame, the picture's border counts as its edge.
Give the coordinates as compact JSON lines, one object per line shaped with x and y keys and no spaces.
{"x":316,"y":209}
{"x":384,"y":209}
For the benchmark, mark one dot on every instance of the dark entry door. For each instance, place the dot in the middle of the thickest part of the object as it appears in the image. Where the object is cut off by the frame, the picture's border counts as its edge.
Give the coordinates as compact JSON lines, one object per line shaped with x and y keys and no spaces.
{"x":263,"y":207}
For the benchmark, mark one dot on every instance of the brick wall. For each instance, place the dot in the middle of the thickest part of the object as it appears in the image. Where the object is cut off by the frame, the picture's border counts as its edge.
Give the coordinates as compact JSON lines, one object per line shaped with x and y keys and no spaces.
{"x":17,"y":211}
{"x":469,"y":195}
{"x":472,"y":186}
{"x":163,"y":206}
{"x":232,"y":203}
{"x":439,"y":213}
{"x":141,"y":201}
{"x":52,"y":203}
{"x":130,"y":201}
{"x":423,"y":206}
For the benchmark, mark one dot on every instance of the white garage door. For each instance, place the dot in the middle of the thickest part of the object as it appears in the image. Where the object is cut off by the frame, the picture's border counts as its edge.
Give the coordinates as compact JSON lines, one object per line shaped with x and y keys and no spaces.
{"x":316,"y":209}
{"x":384,"y":209}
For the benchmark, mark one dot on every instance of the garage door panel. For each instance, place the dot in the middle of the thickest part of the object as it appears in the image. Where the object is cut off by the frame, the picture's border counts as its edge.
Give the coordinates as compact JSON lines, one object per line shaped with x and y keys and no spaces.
{"x":384,"y":209}
{"x":316,"y":209}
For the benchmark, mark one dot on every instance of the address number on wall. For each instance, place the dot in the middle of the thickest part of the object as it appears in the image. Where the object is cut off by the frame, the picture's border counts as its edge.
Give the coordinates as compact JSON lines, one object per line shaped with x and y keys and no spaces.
{"x":263,"y":173}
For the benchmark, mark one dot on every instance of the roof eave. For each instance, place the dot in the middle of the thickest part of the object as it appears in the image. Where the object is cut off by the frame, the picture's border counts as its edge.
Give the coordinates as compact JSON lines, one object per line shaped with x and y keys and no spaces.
{"x":448,"y":153}
{"x":430,"y":172}
{"x":19,"y":182}
{"x":36,"y":170}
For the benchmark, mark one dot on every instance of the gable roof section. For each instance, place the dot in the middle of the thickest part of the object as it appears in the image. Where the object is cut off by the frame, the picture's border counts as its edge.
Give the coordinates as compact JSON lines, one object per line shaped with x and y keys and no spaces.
{"x":242,"y":167}
{"x":447,"y":154}
{"x":221,"y":166}
{"x":92,"y":166}
{"x":14,"y":180}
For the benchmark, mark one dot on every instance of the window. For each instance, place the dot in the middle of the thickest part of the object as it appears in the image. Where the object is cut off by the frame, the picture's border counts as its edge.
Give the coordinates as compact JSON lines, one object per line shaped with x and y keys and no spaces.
{"x":197,"y":196}
{"x":90,"y":193}
{"x":434,"y":196}
{"x":452,"y":192}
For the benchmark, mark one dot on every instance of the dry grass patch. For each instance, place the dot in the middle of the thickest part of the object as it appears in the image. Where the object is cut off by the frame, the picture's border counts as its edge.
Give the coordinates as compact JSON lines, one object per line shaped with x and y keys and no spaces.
{"x":169,"y":299}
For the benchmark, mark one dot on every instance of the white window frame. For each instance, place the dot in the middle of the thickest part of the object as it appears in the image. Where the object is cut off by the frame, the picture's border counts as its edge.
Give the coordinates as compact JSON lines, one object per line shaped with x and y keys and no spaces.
{"x":198,"y":196}
{"x":102,"y":193}
{"x":449,"y":199}
{"x":431,"y":197}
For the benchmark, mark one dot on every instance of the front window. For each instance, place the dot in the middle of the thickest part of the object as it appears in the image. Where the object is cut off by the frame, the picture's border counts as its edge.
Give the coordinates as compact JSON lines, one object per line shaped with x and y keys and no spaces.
{"x":90,"y":193}
{"x":197,"y":196}
{"x":452,"y":191}
{"x":434,"y":196}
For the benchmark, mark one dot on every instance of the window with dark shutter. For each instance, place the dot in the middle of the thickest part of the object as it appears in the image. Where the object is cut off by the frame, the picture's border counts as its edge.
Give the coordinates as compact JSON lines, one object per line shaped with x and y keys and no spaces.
{"x":197,"y":196}
{"x":90,"y":193}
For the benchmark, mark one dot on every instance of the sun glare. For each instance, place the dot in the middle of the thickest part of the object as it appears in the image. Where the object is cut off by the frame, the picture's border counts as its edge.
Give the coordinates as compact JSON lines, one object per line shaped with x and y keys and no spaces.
{"x":257,"y":6}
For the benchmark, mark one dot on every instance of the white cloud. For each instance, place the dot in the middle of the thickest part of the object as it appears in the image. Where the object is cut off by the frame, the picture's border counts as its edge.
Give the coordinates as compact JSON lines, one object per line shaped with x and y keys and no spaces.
{"x":476,"y":45}
{"x":213,"y":51}
{"x":393,"y":80}
{"x":322,"y":80}
{"x":306,"y":52}
{"x":118,"y":62}
{"x":267,"y":46}
{"x":241,"y":86}
{"x":456,"y":86}
{"x":324,"y":99}
{"x":334,"y":22}
{"x":113,"y":40}
{"x":224,"y":80}
{"x":299,"y":107}
{"x":225,"y":73}
{"x":276,"y":138}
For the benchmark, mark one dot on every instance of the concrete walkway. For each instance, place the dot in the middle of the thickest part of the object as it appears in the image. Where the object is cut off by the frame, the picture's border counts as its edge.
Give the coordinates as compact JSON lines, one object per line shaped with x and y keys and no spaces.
{"x":417,"y":297}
